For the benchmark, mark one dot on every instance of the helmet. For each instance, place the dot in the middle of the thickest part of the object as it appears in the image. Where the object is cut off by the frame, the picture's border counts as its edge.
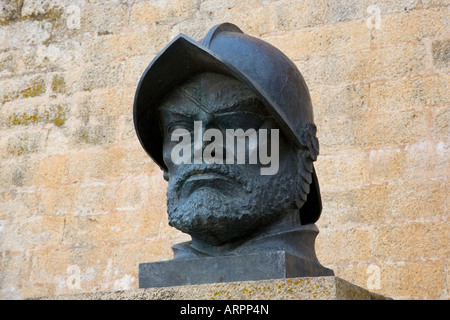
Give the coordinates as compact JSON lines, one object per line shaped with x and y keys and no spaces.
{"x":263,"y":68}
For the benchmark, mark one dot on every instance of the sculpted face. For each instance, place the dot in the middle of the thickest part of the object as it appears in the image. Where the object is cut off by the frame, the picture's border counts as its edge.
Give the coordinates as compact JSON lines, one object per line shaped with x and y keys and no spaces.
{"x":217,"y":200}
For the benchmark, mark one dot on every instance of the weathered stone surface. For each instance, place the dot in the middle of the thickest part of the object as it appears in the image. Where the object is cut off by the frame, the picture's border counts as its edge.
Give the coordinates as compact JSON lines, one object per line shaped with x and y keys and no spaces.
{"x":441,"y":53}
{"x":380,"y":98}
{"x":316,"y":288}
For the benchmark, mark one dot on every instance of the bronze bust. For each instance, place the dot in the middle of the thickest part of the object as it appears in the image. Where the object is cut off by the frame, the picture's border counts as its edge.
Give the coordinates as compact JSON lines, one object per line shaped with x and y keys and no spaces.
{"x":229,"y":120}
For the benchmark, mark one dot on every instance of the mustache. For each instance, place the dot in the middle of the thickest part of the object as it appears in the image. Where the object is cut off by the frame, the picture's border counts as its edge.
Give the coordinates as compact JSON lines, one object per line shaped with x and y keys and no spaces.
{"x":230,"y":172}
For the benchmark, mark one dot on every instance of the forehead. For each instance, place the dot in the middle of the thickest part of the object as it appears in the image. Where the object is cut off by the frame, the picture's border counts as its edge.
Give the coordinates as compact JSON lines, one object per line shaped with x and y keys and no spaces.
{"x":210,"y":93}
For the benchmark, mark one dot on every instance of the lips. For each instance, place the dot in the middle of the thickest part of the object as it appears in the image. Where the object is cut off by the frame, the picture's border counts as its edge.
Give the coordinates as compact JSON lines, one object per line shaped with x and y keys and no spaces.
{"x":212,"y":180}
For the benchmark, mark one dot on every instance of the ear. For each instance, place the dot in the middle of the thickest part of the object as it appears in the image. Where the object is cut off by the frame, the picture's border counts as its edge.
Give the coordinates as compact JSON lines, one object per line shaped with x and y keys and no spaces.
{"x":166,"y":175}
{"x":311,"y":203}
{"x":305,"y":169}
{"x":309,"y":140}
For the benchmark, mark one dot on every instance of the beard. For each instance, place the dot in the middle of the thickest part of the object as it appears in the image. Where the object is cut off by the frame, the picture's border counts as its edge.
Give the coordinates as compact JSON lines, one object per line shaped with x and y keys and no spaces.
{"x":230,"y":207}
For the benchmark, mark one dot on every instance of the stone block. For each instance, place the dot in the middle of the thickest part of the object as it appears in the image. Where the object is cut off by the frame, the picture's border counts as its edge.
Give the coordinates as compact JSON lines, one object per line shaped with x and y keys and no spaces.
{"x":393,"y":202}
{"x":134,"y":161}
{"x":398,"y":27}
{"x":257,"y":21}
{"x":89,"y":267}
{"x":363,"y":274}
{"x":111,"y":48}
{"x":406,"y":94}
{"x":425,"y":159}
{"x":439,"y":125}
{"x":58,"y":84}
{"x":136,"y":67}
{"x":25,"y":143}
{"x":387,"y":164}
{"x":15,"y":268}
{"x":62,"y":55}
{"x":51,"y":271}
{"x":339,"y":172}
{"x":9,"y":61}
{"x":434,"y":3}
{"x":20,"y":88}
{"x":58,"y":140}
{"x":74,"y":270}
{"x":51,"y":171}
{"x":415,"y":201}
{"x":346,"y":37}
{"x":441,"y":53}
{"x":372,"y":131}
{"x":57,"y":200}
{"x":387,"y":62}
{"x":38,"y":7}
{"x":23,"y":114}
{"x":139,"y":205}
{"x":40,"y":231}
{"x":17,"y":205}
{"x":333,"y":103}
{"x":86,"y":200}
{"x":411,"y":241}
{"x":103,"y":18}
{"x":414,"y":280}
{"x":96,"y":164}
{"x":394,"y":129}
{"x":340,"y":133}
{"x":92,"y":199}
{"x":317,"y":288}
{"x":100,"y":104}
{"x":245,"y":267}
{"x":194,"y":28}
{"x":116,"y":225}
{"x":360,"y":205}
{"x":311,"y":13}
{"x":37,"y":32}
{"x":148,"y":12}
{"x":101,"y":134}
{"x":221,"y":6}
{"x":131,"y":193}
{"x":333,"y":245}
{"x":101,"y":76}
{"x":127,"y":131}
{"x":9,"y":10}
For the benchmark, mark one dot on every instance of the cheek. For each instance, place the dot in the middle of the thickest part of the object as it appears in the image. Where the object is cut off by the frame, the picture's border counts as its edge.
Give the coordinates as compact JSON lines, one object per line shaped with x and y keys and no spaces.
{"x":169,"y":150}
{"x":174,"y":169}
{"x":166,"y":153}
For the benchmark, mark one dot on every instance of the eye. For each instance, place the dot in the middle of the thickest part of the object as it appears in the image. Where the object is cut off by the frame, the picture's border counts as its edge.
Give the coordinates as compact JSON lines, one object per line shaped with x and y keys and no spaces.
{"x":241,"y":120}
{"x":180,"y":124}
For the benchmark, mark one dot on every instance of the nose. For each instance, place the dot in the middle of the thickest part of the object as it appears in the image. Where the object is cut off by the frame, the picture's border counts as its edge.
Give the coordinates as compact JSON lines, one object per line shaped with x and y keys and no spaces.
{"x":214,"y":148}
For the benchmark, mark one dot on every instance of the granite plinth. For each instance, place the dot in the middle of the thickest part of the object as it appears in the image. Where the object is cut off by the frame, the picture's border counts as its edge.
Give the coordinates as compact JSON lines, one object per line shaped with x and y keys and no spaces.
{"x":244,"y":267}
{"x":305,"y":288}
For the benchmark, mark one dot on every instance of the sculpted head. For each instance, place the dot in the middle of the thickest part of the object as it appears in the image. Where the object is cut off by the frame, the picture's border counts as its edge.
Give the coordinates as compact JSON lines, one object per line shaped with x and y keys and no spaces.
{"x":217,"y":199}
{"x":230,"y":122}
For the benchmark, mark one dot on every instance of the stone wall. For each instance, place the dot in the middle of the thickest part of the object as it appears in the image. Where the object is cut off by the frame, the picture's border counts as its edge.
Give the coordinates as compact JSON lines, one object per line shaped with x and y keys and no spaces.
{"x":81,"y":204}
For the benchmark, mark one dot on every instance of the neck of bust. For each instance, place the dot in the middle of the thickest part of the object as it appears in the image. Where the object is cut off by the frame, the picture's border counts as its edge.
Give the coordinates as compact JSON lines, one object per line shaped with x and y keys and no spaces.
{"x":288,"y":223}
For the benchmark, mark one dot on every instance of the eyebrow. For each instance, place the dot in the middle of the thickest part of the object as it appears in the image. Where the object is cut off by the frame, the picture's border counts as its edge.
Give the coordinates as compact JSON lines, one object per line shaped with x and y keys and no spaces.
{"x":247,"y":104}
{"x":174,"y":111}
{"x":190,"y":97}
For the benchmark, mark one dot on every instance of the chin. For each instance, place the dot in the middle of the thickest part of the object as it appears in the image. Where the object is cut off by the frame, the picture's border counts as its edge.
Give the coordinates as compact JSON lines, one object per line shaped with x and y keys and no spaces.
{"x":216,"y":219}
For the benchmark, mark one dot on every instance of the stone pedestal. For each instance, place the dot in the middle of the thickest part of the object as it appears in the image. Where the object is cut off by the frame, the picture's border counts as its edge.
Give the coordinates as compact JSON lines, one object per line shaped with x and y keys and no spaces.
{"x":305,"y":288}
{"x":243,"y":267}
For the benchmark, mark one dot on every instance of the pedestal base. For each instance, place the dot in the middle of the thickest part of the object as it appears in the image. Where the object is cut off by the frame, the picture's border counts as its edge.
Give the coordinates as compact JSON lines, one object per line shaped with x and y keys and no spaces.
{"x":243,"y":267}
{"x":315,"y":288}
